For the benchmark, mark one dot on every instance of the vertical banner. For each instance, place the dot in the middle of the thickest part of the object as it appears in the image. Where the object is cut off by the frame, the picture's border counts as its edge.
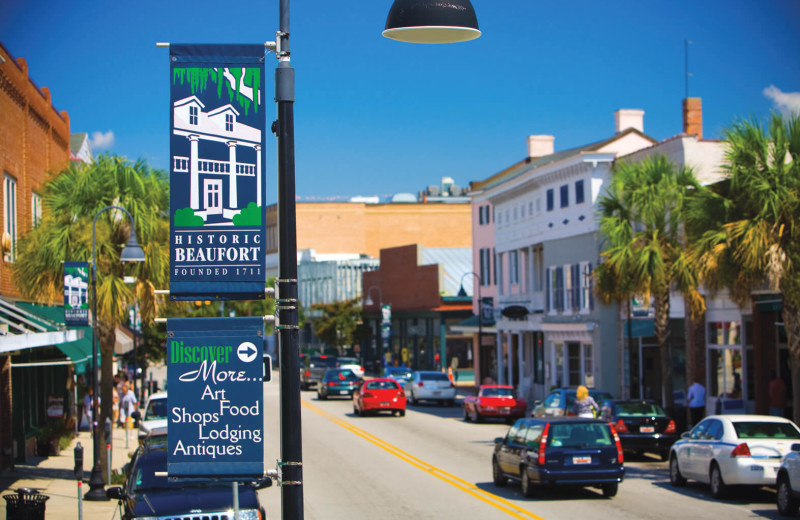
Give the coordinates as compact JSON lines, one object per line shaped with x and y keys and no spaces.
{"x":217,"y":164}
{"x":215,"y":376}
{"x":76,"y":294}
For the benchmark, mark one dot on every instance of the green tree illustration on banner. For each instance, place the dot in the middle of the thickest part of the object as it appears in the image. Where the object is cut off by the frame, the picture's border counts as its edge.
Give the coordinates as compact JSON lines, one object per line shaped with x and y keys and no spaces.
{"x":246,"y":78}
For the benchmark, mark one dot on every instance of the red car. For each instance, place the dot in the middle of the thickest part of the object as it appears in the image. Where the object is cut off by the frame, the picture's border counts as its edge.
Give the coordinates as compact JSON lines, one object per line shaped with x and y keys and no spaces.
{"x":494,"y":401}
{"x":374,"y":395}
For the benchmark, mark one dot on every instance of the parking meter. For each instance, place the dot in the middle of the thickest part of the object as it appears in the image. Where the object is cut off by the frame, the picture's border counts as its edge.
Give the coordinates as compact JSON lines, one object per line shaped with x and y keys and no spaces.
{"x":78,"y":462}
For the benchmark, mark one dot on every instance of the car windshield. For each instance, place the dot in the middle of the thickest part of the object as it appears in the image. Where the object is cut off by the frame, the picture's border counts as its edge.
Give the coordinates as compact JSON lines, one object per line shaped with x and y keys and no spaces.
{"x":144,"y":476}
{"x":382,"y":385}
{"x":766,"y":430}
{"x":639,"y":409}
{"x":340,"y":375}
{"x":157,"y":409}
{"x":579,"y":435}
{"x":433,"y":376}
{"x":497,"y":392}
{"x":400,"y":372}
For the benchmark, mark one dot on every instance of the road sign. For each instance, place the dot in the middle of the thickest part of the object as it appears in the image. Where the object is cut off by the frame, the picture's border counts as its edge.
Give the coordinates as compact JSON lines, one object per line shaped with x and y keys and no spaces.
{"x":215,"y":373}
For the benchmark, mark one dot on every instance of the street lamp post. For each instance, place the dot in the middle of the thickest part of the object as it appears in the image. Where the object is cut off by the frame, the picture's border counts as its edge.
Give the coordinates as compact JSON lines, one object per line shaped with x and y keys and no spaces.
{"x":417,"y":21}
{"x":462,"y":292}
{"x":130,"y":253}
{"x":369,"y":303}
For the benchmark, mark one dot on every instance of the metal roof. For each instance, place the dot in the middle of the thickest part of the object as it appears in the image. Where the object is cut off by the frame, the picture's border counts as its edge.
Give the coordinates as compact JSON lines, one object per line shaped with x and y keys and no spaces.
{"x":455,"y":263}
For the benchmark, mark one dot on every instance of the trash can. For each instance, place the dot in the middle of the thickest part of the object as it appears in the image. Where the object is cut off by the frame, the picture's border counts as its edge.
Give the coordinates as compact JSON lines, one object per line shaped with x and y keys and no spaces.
{"x":27,"y":504}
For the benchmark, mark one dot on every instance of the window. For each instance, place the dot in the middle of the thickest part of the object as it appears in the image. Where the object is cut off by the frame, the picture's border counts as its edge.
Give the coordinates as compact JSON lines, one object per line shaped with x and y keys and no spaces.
{"x":494,"y":267}
{"x":550,"y":199}
{"x":229,"y":122}
{"x":9,"y":218}
{"x":565,"y":196}
{"x":555,"y":292}
{"x":570,"y":286}
{"x":36,"y":208}
{"x":579,"y":193}
{"x":513,"y":267}
{"x":192,"y":115}
{"x":538,"y":268}
{"x":485,"y":261}
{"x":586,"y":296}
{"x":498,"y":269}
{"x":724,"y":333}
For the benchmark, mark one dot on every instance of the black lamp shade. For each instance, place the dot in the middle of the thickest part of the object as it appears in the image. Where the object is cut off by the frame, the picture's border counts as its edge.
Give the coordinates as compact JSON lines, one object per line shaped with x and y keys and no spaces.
{"x":432,"y":21}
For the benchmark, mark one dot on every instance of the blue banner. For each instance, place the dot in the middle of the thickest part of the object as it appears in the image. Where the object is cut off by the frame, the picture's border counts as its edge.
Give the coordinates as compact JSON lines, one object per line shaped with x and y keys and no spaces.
{"x":215,"y":374}
{"x":76,"y":294}
{"x":217,"y":165}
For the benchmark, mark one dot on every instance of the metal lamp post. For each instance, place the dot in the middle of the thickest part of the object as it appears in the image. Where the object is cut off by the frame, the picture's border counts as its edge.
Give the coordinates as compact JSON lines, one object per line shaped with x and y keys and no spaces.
{"x":130,"y":253}
{"x":369,"y":302}
{"x":462,"y":292}
{"x":418,"y":21}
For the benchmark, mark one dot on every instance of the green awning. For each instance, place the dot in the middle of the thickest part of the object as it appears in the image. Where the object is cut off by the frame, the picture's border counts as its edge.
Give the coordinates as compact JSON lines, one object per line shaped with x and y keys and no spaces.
{"x":78,"y":351}
{"x":769,"y":306}
{"x":639,"y":329}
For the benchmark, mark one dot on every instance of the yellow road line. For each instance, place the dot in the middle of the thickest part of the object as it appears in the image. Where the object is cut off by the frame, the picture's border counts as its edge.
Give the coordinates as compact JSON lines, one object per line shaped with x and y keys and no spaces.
{"x":459,"y":483}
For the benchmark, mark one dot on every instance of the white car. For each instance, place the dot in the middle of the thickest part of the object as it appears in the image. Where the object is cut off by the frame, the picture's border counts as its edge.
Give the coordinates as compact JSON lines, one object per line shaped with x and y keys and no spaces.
{"x":732,"y":450}
{"x":155,"y":414}
{"x":352,"y":364}
{"x":788,"y":495}
{"x":429,"y":385}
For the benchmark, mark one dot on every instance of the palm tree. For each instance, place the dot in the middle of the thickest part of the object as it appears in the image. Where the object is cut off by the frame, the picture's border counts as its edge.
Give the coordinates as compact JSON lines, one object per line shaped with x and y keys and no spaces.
{"x":72,"y":198}
{"x":645,"y":251}
{"x":747,"y":225}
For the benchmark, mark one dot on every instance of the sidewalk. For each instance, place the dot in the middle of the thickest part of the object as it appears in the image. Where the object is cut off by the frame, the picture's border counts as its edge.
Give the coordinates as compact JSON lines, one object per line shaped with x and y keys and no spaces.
{"x":53,"y":476}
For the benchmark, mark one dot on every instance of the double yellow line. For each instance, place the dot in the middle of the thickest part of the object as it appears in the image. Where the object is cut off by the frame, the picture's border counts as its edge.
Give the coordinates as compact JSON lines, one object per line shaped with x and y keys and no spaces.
{"x":467,"y":487}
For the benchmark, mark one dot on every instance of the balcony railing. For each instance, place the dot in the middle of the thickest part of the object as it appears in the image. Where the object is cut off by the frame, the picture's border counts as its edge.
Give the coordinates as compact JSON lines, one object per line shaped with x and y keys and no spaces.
{"x":181,"y":165}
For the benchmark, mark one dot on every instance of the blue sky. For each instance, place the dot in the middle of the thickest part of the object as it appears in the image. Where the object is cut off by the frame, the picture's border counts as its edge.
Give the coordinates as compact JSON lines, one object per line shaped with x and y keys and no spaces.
{"x":376,"y":117}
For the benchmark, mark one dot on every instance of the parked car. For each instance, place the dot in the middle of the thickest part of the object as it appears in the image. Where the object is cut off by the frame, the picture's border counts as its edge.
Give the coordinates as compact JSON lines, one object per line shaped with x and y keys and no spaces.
{"x":375,"y":395}
{"x":148,"y":493}
{"x":155,"y":414}
{"x":555,"y":451}
{"x":788,"y":483}
{"x":337,"y":382}
{"x":400,"y":374}
{"x":314,"y":368}
{"x":642,"y":426}
{"x":494,"y":401}
{"x":559,"y":402}
{"x":351,"y":363}
{"x":430,"y":386}
{"x":732,"y":450}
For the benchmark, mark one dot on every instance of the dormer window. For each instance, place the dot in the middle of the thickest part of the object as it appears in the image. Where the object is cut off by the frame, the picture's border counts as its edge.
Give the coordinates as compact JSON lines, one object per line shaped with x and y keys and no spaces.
{"x":229,"y":122}
{"x":192,"y":115}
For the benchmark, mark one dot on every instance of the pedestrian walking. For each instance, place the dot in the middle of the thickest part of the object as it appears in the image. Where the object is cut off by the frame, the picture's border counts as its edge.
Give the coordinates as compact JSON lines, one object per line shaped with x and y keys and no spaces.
{"x":128,"y":404}
{"x":777,"y":394}
{"x":584,"y":405}
{"x":696,"y":398}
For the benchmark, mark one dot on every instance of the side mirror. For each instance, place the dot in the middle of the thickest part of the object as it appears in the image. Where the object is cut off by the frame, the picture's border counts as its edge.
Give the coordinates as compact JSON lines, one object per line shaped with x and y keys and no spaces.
{"x":499,"y":440}
{"x":115,"y":493}
{"x":137,"y":415}
{"x":796,"y":446}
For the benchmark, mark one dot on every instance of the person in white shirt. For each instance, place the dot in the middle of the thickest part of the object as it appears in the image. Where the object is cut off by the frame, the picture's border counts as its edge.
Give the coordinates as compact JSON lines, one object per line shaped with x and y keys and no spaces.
{"x":696,"y":398}
{"x":128,"y":404}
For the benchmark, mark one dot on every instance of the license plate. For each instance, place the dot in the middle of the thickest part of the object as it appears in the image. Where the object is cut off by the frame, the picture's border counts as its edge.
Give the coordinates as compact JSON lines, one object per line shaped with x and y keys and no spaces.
{"x":385,"y":403}
{"x":437,"y":393}
{"x":506,"y":409}
{"x":581,"y":460}
{"x":343,"y":392}
{"x":647,"y":429}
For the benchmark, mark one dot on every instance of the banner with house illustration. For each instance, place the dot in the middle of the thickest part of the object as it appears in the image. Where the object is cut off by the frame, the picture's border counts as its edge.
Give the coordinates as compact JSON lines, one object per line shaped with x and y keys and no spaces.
{"x":76,"y":294}
{"x":217,"y":192}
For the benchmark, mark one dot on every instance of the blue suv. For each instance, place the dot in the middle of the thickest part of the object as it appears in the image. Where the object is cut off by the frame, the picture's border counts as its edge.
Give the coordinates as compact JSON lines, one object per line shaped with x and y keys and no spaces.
{"x":555,"y":451}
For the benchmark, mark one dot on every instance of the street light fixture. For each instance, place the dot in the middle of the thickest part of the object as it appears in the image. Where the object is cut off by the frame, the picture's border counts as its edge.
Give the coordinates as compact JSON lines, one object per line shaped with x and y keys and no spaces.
{"x":432,"y":21}
{"x":368,"y":301}
{"x":462,"y":292}
{"x":131,"y":253}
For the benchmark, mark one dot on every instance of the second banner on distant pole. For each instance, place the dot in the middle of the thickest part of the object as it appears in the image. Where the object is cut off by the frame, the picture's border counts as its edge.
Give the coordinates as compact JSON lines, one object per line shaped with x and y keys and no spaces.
{"x":217,"y":163}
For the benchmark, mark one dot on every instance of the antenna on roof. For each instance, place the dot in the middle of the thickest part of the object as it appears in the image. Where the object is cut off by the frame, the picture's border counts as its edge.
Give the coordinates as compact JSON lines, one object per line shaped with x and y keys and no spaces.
{"x":686,"y":44}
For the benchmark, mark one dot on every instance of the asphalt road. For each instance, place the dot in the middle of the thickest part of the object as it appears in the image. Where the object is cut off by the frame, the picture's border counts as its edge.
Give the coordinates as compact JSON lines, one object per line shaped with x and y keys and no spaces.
{"x":432,"y":464}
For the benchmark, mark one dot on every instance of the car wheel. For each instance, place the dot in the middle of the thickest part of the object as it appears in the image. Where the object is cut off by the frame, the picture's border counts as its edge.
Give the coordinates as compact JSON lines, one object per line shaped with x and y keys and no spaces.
{"x":718,"y":487}
{"x":478,"y":417}
{"x":610,"y":489}
{"x":320,"y":396}
{"x":467,"y":417}
{"x":414,"y":398}
{"x":528,"y":487}
{"x":497,"y":476}
{"x":355,"y":410}
{"x":787,"y":504}
{"x":675,"y":477}
{"x":401,"y":413}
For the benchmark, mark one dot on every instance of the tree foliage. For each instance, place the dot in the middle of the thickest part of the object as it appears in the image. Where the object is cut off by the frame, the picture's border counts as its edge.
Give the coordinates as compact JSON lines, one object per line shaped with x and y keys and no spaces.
{"x":338,"y":323}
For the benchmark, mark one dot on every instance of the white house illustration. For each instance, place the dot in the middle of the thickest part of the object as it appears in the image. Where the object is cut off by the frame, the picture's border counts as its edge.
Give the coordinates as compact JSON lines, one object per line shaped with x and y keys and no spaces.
{"x":218,"y":125}
{"x":76,"y":291}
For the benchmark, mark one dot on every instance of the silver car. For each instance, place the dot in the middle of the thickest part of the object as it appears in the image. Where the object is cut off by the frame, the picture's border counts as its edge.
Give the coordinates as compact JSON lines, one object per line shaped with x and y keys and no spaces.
{"x":428,"y":385}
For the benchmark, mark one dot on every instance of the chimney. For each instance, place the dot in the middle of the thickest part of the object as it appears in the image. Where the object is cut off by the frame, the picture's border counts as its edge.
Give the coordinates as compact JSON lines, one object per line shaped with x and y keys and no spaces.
{"x":629,"y":118}
{"x":540,"y":145}
{"x":693,"y":116}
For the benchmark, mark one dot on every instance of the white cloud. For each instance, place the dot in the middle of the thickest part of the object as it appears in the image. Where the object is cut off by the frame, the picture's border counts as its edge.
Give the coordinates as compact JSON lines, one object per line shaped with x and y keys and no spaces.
{"x":102,"y":140}
{"x":784,"y":102}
